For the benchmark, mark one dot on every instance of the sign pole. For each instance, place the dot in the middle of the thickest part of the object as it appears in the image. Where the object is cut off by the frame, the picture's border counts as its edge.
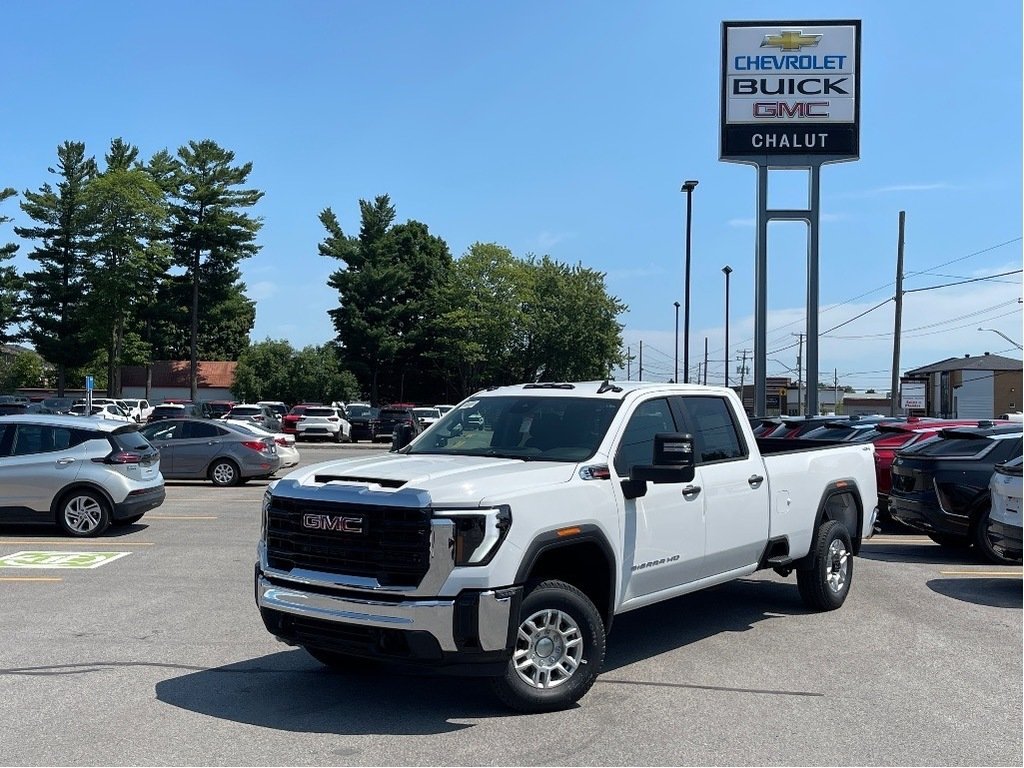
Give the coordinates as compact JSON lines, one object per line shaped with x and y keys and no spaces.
{"x":761,"y":295}
{"x":812,"y":293}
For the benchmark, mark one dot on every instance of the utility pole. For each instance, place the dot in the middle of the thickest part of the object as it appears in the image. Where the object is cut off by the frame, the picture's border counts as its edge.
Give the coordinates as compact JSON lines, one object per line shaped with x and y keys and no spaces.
{"x":894,"y":390}
{"x":800,"y":376}
{"x":705,"y":361}
{"x":641,"y":378}
{"x":835,"y":392}
{"x":629,"y":361}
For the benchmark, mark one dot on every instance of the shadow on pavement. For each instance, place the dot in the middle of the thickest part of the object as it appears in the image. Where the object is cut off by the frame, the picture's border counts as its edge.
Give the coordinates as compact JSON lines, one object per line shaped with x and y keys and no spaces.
{"x":54,"y":532}
{"x":995,"y":592}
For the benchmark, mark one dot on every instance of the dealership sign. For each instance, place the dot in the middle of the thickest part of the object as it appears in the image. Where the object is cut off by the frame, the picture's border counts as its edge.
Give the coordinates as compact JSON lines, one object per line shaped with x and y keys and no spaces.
{"x":790,"y":88}
{"x":913,"y":394}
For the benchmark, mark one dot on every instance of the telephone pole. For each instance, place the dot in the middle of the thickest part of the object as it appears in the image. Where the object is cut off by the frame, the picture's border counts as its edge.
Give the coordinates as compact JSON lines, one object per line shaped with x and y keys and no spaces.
{"x":894,"y":390}
{"x":743,"y":372}
{"x":800,"y":376}
{"x":835,"y":391}
{"x":705,"y":361}
{"x":629,"y":363}
{"x":641,"y":377}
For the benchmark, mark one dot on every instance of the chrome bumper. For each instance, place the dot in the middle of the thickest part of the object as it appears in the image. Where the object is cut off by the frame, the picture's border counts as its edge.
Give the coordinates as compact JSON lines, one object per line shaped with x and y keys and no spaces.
{"x":436,"y":616}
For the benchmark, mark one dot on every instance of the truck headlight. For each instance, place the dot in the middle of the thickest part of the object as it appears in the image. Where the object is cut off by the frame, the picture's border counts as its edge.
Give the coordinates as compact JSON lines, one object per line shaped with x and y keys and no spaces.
{"x":478,"y":532}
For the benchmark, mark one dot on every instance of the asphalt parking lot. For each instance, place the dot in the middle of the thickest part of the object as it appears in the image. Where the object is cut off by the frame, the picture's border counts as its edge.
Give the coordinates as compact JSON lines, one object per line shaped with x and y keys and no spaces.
{"x":160,"y":657}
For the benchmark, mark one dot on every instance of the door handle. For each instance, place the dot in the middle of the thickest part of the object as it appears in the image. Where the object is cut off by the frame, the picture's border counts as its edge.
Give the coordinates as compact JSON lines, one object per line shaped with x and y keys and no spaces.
{"x":64,"y":462}
{"x":691,"y":490}
{"x":755,"y":481}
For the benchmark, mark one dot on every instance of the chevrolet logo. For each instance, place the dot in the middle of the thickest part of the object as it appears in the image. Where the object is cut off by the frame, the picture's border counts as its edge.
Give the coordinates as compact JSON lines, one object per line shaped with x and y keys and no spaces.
{"x":790,"y":40}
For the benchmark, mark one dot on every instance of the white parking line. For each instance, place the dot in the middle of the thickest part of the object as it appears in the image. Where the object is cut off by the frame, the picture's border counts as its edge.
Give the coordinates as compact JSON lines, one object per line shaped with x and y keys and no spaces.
{"x":986,"y":574}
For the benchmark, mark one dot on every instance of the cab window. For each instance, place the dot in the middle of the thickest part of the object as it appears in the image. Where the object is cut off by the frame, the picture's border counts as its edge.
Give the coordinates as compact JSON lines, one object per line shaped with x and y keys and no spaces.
{"x":637,"y":444}
{"x":715,"y":434}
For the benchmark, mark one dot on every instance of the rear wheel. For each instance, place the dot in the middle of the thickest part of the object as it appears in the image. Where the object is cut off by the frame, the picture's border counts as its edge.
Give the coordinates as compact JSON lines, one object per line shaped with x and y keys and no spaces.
{"x":981,"y":540}
{"x":83,"y":513}
{"x":558,"y":652}
{"x":224,"y":473}
{"x":825,"y":583}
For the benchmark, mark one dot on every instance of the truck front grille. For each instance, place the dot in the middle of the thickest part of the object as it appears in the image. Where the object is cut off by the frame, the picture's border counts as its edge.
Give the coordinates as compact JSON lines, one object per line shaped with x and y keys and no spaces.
{"x":393,"y":546}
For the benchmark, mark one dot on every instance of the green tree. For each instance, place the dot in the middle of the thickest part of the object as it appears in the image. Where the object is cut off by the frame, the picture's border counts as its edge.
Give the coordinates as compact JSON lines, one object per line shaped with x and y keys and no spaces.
{"x":55,"y":293}
{"x":316,"y":376}
{"x":263,"y":371}
{"x":210,"y":231}
{"x":10,"y":282}
{"x":25,"y":369}
{"x":128,"y":208}
{"x":387,"y":290}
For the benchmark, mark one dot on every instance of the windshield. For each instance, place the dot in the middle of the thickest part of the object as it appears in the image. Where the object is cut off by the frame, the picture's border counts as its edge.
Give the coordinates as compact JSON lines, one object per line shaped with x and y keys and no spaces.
{"x":427,"y":413}
{"x":521,"y":427}
{"x":355,"y":411}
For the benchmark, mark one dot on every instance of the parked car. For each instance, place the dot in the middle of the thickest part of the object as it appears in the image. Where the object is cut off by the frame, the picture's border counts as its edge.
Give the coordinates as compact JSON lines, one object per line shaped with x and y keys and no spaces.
{"x":103,"y":411}
{"x":194,"y":449}
{"x":323,"y":422}
{"x":792,"y":426}
{"x":220,"y":408}
{"x":260,"y":415}
{"x":941,"y":486}
{"x":186,"y":410}
{"x":445,"y":408}
{"x":279,"y":408}
{"x":12,"y":408}
{"x":365,"y":421}
{"x":289,"y":420}
{"x":139,"y":409}
{"x":1004,"y":524}
{"x":285,"y":443}
{"x":391,"y":417}
{"x":426,"y":416}
{"x":58,"y":405}
{"x":82,"y":474}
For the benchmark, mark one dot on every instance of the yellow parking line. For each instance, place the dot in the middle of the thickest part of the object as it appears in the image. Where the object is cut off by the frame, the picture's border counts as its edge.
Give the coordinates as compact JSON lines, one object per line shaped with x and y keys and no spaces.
{"x":78,"y":543}
{"x":30,"y":578}
{"x":1006,"y":574}
{"x":181,"y":517}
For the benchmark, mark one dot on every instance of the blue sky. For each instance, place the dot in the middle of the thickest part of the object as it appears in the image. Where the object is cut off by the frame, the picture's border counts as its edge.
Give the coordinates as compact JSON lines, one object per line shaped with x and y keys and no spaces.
{"x":562,"y":129}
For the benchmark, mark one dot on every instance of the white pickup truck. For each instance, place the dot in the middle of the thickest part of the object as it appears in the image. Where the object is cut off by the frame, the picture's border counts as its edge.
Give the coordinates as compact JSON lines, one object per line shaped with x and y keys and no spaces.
{"x":505,"y":538}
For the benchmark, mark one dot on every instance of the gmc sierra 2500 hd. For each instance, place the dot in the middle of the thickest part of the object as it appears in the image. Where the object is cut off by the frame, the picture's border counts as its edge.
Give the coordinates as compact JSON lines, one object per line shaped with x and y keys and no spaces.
{"x":505,"y":538}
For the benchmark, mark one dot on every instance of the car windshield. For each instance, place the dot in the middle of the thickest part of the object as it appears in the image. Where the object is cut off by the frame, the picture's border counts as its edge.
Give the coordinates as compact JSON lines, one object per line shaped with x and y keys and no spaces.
{"x":427,"y":413}
{"x":246,"y":410}
{"x":394,"y":413}
{"x":361,"y":410}
{"x":533,"y":428}
{"x":955,"y":446}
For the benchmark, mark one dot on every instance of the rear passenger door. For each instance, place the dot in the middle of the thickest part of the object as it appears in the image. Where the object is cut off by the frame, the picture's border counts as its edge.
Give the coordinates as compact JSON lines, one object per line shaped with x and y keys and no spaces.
{"x":36,"y":462}
{"x":199,"y":445}
{"x":732,"y":483}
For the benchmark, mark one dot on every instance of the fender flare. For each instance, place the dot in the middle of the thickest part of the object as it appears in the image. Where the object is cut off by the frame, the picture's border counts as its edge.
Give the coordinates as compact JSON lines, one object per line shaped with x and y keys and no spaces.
{"x":843,"y":486}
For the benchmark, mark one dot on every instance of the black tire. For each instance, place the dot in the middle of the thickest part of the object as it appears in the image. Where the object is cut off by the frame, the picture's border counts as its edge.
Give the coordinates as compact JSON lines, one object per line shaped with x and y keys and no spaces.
{"x":83,"y":513}
{"x":981,"y":540}
{"x":558,"y":619}
{"x":124,"y":522}
{"x":339,"y":437}
{"x":951,"y":541}
{"x":224,"y":473}
{"x":825,"y":582}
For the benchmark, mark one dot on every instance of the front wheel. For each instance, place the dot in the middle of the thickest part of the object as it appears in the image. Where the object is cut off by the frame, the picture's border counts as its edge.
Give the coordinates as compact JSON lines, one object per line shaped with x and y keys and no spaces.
{"x":825,"y":582}
{"x":558,"y":652}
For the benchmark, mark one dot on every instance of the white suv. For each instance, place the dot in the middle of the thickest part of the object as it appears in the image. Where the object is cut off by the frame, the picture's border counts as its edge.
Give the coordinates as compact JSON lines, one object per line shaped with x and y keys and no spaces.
{"x":82,"y":474}
{"x":323,"y":421}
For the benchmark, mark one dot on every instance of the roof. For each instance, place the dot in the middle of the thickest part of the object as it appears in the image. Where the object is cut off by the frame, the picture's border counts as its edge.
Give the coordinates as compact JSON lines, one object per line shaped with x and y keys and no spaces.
{"x":72,"y":422}
{"x":175,"y":373}
{"x":986,"y":362}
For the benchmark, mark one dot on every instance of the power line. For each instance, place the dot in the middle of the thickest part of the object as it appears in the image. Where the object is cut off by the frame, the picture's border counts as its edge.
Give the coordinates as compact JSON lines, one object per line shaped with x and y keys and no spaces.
{"x":962,"y":282}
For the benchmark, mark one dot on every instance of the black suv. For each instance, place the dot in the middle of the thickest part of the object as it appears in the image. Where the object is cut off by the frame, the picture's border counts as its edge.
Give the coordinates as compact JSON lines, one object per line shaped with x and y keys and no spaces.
{"x":389,"y":420}
{"x":365,"y":422}
{"x":940,"y":486}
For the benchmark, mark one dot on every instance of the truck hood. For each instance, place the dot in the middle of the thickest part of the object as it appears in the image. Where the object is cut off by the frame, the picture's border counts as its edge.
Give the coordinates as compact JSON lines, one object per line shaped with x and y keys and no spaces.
{"x":447,"y":479}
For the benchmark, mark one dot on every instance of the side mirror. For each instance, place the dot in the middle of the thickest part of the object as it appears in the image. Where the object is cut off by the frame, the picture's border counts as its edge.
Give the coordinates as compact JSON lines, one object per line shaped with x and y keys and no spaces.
{"x":672,"y":463}
{"x":401,"y":437}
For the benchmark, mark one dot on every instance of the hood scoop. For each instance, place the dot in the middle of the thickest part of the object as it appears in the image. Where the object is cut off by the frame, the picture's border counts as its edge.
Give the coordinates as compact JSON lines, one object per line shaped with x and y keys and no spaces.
{"x":381,"y":481}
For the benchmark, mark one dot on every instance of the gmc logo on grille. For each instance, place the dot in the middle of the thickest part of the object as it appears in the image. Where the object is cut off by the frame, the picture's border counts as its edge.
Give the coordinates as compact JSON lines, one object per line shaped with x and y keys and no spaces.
{"x":333,"y":523}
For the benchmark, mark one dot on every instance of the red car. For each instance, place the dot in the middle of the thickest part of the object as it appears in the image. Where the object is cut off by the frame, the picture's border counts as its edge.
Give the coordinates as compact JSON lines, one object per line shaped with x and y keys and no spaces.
{"x":290,"y":419}
{"x":894,"y":436}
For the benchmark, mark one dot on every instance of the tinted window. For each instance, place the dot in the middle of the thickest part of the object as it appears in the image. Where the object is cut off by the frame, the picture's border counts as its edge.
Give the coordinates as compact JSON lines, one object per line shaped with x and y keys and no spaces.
{"x":637,"y":446}
{"x":163,"y":430}
{"x":39,"y":438}
{"x":319,"y":412}
{"x":199,"y":429}
{"x":360,"y":410}
{"x":131,"y":440}
{"x":394,"y":413}
{"x":832,"y":433}
{"x":955,"y":446}
{"x":714,"y":430}
{"x":161,"y":410}
{"x":246,"y":411}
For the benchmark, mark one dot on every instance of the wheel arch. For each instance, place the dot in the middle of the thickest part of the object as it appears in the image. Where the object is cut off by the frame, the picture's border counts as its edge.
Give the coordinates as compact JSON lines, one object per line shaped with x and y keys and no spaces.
{"x":79,"y":485}
{"x":850,"y":516}
{"x":584,"y":559}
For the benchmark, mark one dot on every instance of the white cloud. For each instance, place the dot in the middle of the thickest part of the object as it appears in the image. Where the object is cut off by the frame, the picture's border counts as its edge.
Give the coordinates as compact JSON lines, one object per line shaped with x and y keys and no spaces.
{"x":546,"y":240}
{"x":910,"y":187}
{"x":262,"y":290}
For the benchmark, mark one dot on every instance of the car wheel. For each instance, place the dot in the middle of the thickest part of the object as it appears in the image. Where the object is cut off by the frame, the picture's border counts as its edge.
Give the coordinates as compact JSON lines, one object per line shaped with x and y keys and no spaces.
{"x":982,"y":541}
{"x":124,"y":522}
{"x":558,"y":653}
{"x":825,"y":582}
{"x":224,"y":473}
{"x":338,"y":436}
{"x":83,"y":513}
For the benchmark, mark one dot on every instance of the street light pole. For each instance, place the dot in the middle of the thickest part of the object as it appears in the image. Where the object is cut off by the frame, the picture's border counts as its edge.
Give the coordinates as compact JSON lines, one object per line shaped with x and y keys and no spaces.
{"x":688,"y":187}
{"x":1018,"y":346}
{"x":676,"y":305}
{"x":728,"y":271}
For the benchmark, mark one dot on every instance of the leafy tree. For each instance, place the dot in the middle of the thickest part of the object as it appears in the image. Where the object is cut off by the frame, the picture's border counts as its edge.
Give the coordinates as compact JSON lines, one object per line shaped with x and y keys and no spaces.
{"x":263,"y":371}
{"x":128,"y":208}
{"x":55,"y":293}
{"x":387,"y":289}
{"x":209,"y":230}
{"x":316,"y":376}
{"x":10,"y":282}
{"x":25,"y":369}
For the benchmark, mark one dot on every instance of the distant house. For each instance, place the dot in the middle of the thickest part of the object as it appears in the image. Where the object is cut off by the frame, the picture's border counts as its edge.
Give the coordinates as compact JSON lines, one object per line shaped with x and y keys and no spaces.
{"x":170,"y":379}
{"x":866,"y":404}
{"x":979,"y":387}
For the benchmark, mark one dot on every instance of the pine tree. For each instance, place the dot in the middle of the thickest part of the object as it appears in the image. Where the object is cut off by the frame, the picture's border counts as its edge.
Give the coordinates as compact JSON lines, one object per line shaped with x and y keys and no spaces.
{"x":10,"y":282}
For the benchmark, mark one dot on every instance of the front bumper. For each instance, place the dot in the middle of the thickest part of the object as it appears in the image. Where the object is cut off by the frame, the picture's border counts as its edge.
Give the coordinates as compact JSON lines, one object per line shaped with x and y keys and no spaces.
{"x":1005,"y":539}
{"x":140,"y":502}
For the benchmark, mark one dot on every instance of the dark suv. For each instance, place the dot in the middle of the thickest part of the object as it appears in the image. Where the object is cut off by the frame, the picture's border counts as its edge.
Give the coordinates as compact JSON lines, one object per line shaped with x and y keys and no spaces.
{"x":365,"y":421}
{"x":390,"y":418}
{"x":941,"y":486}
